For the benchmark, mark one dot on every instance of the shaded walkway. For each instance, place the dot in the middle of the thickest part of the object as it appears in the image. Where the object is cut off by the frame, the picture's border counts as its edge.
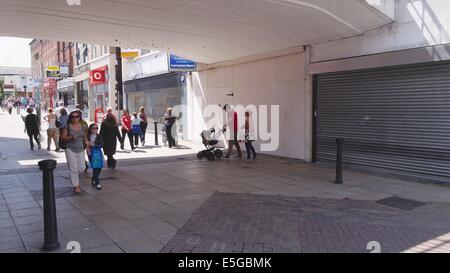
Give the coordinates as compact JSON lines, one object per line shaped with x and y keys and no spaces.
{"x":141,"y":208}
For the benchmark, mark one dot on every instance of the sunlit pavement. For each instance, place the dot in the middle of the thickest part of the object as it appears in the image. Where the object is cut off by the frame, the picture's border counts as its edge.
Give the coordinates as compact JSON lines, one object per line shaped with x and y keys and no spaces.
{"x":16,"y":155}
{"x":179,"y":204}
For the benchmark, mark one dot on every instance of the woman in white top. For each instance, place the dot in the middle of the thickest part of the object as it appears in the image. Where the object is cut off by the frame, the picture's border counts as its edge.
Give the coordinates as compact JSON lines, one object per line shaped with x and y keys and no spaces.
{"x":52,"y":131}
{"x":136,"y":128}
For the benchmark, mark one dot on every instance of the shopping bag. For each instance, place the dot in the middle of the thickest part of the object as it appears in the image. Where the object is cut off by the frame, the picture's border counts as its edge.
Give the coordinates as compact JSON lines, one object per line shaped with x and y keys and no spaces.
{"x":136,"y":130}
{"x":96,"y":158}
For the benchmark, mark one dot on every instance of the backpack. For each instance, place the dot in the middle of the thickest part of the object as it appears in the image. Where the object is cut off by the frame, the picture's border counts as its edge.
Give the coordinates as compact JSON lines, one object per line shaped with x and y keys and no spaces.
{"x":58,"y":123}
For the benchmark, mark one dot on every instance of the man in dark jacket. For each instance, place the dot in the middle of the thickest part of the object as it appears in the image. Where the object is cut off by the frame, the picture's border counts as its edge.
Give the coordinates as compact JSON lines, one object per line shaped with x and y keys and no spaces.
{"x":32,"y":128}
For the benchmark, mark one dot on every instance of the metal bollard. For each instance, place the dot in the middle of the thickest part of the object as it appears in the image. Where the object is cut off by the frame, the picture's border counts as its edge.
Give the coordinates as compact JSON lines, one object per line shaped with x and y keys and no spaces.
{"x":156,"y":133}
{"x":339,"y":180}
{"x":50,"y":224}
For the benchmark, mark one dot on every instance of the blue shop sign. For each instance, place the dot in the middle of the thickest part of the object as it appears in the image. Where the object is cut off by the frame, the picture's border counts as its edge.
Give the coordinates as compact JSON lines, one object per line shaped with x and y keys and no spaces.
{"x":179,"y":64}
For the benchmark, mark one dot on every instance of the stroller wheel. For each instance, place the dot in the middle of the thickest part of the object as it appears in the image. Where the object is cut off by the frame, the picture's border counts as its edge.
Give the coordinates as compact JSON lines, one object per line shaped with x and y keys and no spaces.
{"x":218,"y":153}
{"x":199,"y":155}
{"x":210,"y":156}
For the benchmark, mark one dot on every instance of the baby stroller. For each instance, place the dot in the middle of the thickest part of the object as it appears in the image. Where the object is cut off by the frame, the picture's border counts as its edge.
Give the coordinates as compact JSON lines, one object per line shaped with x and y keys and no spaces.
{"x":209,"y":139}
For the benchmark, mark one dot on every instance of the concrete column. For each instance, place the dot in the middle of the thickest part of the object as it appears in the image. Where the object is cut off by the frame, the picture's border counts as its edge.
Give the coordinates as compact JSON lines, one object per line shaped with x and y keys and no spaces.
{"x":112,"y":81}
{"x":308,"y":106}
{"x":189,"y":107}
{"x":91,"y":102}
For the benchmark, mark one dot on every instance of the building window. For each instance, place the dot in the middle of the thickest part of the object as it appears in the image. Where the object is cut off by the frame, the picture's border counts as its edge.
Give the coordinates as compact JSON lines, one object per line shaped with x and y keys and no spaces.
{"x":85,"y":54}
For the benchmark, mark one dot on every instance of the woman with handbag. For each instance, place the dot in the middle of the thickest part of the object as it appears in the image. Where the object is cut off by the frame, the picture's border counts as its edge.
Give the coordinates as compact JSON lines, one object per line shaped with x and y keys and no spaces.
{"x":75,"y":137}
{"x":94,"y":153}
{"x":136,"y":129}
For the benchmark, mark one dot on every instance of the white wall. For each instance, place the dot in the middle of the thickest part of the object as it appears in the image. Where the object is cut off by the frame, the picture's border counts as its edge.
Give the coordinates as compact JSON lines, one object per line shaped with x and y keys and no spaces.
{"x":418,"y":23}
{"x":271,"y":81}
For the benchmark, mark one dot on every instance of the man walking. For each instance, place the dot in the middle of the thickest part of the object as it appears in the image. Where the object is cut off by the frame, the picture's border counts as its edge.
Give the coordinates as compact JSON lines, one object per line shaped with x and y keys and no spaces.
{"x":32,"y":128}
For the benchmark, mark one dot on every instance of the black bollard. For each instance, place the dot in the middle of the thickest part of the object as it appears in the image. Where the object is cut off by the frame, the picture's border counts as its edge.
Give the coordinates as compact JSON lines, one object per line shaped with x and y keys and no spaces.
{"x":156,"y":133}
{"x":339,"y":142}
{"x":50,"y":224}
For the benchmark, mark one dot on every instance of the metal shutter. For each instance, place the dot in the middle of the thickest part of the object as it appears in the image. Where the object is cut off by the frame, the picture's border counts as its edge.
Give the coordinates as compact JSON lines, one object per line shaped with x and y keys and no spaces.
{"x":396,"y":119}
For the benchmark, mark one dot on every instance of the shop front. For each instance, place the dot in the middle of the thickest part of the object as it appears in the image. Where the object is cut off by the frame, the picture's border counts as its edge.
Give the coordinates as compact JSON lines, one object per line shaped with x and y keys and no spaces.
{"x":81,"y":84}
{"x":156,"y":94}
{"x":66,"y":92}
{"x":49,"y":93}
{"x":99,"y":88}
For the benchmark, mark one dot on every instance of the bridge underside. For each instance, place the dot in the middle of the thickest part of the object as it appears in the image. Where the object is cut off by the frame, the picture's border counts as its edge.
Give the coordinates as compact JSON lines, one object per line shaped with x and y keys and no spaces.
{"x":207,"y":31}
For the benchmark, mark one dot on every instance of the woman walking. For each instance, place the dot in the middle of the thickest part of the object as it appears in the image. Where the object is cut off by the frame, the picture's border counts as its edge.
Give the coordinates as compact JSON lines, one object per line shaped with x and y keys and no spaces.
{"x":32,"y":127}
{"x":144,"y":124}
{"x":75,"y":137}
{"x":126,"y":129}
{"x":110,"y":133}
{"x":249,"y":136}
{"x":94,"y":153}
{"x":52,"y":131}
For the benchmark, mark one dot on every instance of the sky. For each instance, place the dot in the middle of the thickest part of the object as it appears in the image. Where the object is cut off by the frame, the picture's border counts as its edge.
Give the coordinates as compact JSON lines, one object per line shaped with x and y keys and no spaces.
{"x":15,"y":52}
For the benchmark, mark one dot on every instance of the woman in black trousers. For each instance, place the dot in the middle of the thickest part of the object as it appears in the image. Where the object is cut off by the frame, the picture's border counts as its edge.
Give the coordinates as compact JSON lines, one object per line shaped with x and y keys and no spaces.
{"x":110,"y":133}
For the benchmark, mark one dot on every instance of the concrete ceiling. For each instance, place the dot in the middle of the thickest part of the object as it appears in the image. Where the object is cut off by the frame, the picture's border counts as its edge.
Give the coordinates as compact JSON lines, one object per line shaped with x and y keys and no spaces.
{"x":207,"y":31}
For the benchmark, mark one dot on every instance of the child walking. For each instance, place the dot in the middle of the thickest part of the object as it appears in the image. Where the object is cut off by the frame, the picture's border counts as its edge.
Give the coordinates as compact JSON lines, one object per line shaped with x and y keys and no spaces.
{"x":94,"y":153}
{"x":136,"y":129}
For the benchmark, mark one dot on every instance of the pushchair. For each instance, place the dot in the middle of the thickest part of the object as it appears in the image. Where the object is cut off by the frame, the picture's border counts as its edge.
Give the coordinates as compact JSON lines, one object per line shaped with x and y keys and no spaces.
{"x":209,"y":139}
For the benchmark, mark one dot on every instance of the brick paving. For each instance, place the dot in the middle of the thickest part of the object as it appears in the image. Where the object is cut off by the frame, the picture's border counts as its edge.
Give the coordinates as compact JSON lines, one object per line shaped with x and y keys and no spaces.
{"x":242,"y":223}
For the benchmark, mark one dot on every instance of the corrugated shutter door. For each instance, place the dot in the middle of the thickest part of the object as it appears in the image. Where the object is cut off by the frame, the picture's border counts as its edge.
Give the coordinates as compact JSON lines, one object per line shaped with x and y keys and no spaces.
{"x":396,"y":119}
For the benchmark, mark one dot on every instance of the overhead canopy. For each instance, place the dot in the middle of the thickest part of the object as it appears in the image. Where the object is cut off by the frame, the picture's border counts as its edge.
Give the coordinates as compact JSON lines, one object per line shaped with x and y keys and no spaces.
{"x":207,"y":31}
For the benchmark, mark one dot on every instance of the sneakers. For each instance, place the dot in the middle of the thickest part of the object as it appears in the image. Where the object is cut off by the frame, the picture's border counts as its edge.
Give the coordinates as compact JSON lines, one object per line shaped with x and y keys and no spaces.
{"x":95,"y":184}
{"x":143,"y":143}
{"x":39,"y":147}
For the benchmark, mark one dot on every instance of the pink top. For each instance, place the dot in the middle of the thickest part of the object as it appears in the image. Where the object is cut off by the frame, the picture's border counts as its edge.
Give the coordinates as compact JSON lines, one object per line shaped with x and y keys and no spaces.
{"x":126,"y":122}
